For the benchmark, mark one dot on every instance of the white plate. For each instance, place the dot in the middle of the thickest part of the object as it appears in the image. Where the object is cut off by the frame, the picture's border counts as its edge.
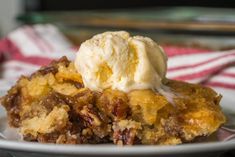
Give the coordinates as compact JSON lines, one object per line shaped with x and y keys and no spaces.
{"x":31,"y":149}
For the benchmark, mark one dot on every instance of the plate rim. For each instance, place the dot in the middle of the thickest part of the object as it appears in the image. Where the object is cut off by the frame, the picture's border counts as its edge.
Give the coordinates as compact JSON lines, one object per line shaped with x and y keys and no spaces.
{"x":107,"y":149}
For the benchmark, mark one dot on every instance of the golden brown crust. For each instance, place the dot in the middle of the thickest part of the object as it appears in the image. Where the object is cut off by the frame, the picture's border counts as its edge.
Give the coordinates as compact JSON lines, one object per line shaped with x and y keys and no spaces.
{"x":53,"y":106}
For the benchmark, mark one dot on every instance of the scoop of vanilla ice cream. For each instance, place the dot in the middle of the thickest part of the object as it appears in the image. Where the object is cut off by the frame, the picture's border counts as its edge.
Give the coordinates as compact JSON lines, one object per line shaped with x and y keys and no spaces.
{"x":118,"y":61}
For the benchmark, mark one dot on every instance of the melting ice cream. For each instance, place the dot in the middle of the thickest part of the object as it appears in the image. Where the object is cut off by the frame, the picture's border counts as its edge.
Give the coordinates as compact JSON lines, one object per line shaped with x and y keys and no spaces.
{"x":119,"y":61}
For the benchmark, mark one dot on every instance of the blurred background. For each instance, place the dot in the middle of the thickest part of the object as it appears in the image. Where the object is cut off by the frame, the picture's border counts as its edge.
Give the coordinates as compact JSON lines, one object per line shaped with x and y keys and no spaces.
{"x":206,"y":24}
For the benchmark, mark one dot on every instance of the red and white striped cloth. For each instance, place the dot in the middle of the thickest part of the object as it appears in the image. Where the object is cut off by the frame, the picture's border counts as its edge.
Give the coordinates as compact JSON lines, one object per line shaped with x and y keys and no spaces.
{"x":27,"y":48}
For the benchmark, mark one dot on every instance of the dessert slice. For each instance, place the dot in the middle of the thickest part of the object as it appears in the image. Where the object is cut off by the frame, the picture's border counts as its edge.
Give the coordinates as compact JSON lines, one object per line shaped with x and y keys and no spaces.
{"x":53,"y":106}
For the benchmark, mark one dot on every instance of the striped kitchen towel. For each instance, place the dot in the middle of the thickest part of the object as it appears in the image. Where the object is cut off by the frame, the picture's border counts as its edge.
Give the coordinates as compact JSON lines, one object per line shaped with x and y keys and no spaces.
{"x":216,"y":69}
{"x":27,"y":48}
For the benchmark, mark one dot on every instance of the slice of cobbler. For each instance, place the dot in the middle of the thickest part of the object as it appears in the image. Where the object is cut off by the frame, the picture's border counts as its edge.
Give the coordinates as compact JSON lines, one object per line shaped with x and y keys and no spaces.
{"x":53,"y":106}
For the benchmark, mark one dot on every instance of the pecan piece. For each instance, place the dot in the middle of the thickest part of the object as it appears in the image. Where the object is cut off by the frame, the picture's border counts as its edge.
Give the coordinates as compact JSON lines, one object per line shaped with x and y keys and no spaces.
{"x":90,"y":116}
{"x":125,"y":132}
{"x":125,"y":137}
{"x":12,"y":103}
{"x":48,"y":69}
{"x":114,"y":104}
